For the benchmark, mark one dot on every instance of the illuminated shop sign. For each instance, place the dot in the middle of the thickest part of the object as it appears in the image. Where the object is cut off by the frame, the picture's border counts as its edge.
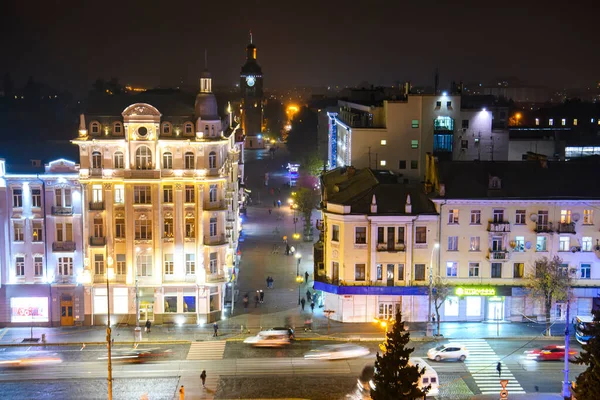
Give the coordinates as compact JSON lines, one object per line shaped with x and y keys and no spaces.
{"x":28,"y":309}
{"x":460,"y":291}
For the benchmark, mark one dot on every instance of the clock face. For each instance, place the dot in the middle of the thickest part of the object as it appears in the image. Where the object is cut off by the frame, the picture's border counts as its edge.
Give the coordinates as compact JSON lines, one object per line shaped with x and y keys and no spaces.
{"x":250,"y":80}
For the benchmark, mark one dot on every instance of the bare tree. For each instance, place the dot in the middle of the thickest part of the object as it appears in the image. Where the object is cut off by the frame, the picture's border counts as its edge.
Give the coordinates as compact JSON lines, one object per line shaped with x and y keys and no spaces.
{"x":549,"y":283}
{"x":441,"y":291}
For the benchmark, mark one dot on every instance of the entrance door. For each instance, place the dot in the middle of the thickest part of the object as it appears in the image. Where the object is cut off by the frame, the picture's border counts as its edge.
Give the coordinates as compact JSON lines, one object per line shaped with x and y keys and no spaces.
{"x":495,"y":310}
{"x":146,"y":311}
{"x":390,"y":274}
{"x":561,"y":311}
{"x":335,"y":273}
{"x":66,"y":311}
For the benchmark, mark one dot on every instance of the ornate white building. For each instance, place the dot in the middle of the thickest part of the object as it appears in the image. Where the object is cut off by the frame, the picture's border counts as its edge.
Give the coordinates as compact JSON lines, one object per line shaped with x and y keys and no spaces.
{"x":160,"y":189}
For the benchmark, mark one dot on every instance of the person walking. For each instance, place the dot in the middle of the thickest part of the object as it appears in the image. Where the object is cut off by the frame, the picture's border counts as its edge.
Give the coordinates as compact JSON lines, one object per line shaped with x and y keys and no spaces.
{"x":216,"y":328}
{"x":203,"y":378}
{"x":312,"y":306}
{"x":499,"y":369}
{"x":268,"y":281}
{"x":269,"y":210}
{"x":262,"y":296}
{"x":306,"y":276}
{"x":274,"y":204}
{"x":246,"y":299}
{"x":148,"y":325}
{"x":256,"y":299}
{"x":271,"y":282}
{"x":302,"y":303}
{"x":308,"y":295}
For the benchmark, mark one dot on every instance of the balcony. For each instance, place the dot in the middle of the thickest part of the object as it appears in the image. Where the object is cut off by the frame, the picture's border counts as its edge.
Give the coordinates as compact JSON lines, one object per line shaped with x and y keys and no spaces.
{"x":101,"y":278}
{"x":63,"y":246}
{"x":499,"y":227}
{"x":499,"y":255}
{"x":230,"y":217}
{"x":97,"y":241}
{"x":58,"y":210}
{"x":566,"y":227}
{"x":141,"y":174}
{"x":544,"y":228}
{"x":215,"y":240}
{"x":215,"y":278}
{"x":391,"y":247}
{"x":215,"y":205}
{"x":212,"y":172}
{"x":170,"y":278}
{"x":96,"y":206}
{"x":96,"y":172}
{"x":64,"y":279}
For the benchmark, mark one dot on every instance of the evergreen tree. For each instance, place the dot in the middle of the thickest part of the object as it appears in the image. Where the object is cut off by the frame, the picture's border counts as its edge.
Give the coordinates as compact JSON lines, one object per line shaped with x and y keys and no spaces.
{"x":588,"y":381}
{"x":395,"y":378}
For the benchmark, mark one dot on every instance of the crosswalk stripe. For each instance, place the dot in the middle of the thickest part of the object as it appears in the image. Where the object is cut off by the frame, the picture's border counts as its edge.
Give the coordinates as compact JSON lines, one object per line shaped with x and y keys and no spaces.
{"x":210,"y":350}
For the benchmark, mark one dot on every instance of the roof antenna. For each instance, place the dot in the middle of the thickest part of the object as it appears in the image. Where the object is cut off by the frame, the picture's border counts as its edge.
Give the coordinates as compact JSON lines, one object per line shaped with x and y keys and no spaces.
{"x":250,"y":37}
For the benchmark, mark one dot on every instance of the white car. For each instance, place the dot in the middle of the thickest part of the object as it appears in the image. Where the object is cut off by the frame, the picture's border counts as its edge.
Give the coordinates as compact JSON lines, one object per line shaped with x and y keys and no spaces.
{"x":449,"y":351}
{"x":269,"y":339}
{"x":337,"y":352}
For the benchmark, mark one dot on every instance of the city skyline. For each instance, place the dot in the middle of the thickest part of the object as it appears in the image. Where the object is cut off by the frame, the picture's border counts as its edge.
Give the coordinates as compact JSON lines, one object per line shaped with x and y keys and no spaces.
{"x":70,"y":47}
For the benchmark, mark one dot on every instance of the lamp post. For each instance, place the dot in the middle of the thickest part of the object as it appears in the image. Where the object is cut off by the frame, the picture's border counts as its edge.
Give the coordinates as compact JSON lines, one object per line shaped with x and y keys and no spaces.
{"x":429,"y":322}
{"x":299,"y":279}
{"x":110,"y":272}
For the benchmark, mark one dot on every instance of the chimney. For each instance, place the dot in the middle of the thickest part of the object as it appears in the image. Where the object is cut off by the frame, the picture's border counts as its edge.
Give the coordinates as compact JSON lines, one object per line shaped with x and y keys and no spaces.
{"x":408,"y":206}
{"x":373,"y":205}
{"x":82,"y":128}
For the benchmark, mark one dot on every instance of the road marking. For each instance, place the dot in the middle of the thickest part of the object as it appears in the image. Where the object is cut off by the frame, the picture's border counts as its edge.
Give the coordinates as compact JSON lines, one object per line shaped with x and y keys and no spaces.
{"x":209,"y":350}
{"x":4,"y":330}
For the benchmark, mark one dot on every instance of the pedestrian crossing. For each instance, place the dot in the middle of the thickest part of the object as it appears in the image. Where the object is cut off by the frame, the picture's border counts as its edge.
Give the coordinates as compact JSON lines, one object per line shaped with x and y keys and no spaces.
{"x":209,"y":350}
{"x":481,"y":364}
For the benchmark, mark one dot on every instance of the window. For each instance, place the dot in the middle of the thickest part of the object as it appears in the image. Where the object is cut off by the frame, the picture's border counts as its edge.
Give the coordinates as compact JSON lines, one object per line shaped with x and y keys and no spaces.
{"x":213,"y":227}
{"x":143,"y":229}
{"x":540,"y":243}
{"x":475,"y":217}
{"x":451,"y":306}
{"x":542,"y":223}
{"x":37,"y":234}
{"x":190,"y":227}
{"x":360,"y":235}
{"x":587,"y":217}
{"x":190,"y":194}
{"x":36,"y":198}
{"x":168,"y":194}
{"x":452,"y":269}
{"x":575,"y":122}
{"x":498,"y":216}
{"x":120,"y":228}
{"x":563,"y":121}
{"x":496,"y":270}
{"x":121,"y":265}
{"x":144,"y":265}
{"x":380,"y":234}
{"x":188,"y":160}
{"x":335,"y":233}
{"x":168,"y":264}
{"x":564,"y":243}
{"x":379,"y":272}
{"x":438,"y":104}
{"x":167,"y":160}
{"x":95,"y":127}
{"x":188,"y":128}
{"x":414,"y":164}
{"x":474,"y":243}
{"x":518,"y":270}
{"x":415,"y":123}
{"x":212,"y":193}
{"x":359,"y":272}
{"x":213,"y":263}
{"x":419,"y":272}
{"x":65,"y":266}
{"x":17,"y":195}
{"x":64,"y":233}
{"x":189,"y":304}
{"x":143,"y":158}
{"x":421,"y":235}
{"x":520,"y":217}
{"x":453,"y":216}
{"x":551,"y":121}
{"x":402,"y":164}
{"x":119,"y":160}
{"x":382,"y":163}
{"x":168,"y":227}
{"x":414,"y":144}
{"x":400,"y":236}
{"x":565,"y":216}
{"x":473,"y":306}
{"x":118,"y":128}
{"x":166,"y":128}
{"x":464,"y":144}
{"x":170,"y":304}
{"x":383,"y":142}
{"x":586,"y":243}
{"x":96,"y":160}
{"x":473,"y":269}
{"x":190,"y":264}
{"x":212,"y":160}
{"x":97,"y":193}
{"x":586,"y":271}
{"x":465,"y":124}
{"x":20,"y":266}
{"x":400,"y":272}
{"x":537,"y":122}
{"x":452,"y":243}
{"x":99,"y":264}
{"x":119,"y":194}
{"x":62,"y":197}
{"x":38,"y":266}
{"x":142,"y":195}
{"x":449,"y":104}
{"x":520,"y":243}
{"x":19,"y":231}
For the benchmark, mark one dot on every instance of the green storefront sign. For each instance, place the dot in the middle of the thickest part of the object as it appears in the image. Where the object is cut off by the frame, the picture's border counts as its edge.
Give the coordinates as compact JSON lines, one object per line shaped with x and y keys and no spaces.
{"x":475,"y":291}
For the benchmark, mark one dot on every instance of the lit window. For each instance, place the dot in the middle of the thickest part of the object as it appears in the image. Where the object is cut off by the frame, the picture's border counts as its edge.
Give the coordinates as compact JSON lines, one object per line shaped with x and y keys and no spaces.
{"x":575,"y":122}
{"x":415,"y":123}
{"x":551,"y":121}
{"x":475,"y":217}
{"x":537,"y":121}
{"x":540,"y":244}
{"x":564,"y":243}
{"x":414,"y":144}
{"x":453,"y":216}
{"x":473,"y":269}
{"x":520,"y":243}
{"x":586,"y":271}
{"x":452,"y":268}
{"x":474,"y":243}
{"x":587,"y":217}
{"x":586,"y":243}
{"x":382,"y":163}
{"x":563,"y":121}
{"x":383,"y":142}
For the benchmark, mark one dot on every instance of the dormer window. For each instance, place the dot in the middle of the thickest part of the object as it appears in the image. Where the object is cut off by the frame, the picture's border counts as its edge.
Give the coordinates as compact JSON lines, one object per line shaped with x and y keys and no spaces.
{"x":166,"y":128}
{"x":495,"y":183}
{"x":118,"y":128}
{"x":188,"y":128}
{"x":95,"y":128}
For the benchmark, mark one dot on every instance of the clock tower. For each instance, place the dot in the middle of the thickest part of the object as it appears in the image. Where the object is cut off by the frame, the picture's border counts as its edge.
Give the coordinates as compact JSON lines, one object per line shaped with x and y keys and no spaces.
{"x":251,"y":87}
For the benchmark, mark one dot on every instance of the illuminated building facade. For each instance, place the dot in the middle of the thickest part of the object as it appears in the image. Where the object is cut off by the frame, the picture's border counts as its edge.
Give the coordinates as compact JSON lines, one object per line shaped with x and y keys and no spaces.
{"x":251,"y":87}
{"x":41,"y":256}
{"x":160,"y":189}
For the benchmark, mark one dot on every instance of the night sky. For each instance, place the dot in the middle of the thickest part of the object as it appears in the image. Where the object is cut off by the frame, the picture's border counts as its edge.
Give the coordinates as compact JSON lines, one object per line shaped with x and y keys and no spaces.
{"x":300,"y":43}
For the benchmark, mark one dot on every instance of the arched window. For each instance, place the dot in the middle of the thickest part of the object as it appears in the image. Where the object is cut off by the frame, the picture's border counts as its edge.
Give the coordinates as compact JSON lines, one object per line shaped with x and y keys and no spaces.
{"x":95,"y":128}
{"x":189,"y":160}
{"x":119,"y":160}
{"x":167,"y":160}
{"x":96,"y":159}
{"x":143,"y":158}
{"x":212,"y":160}
{"x":189,"y":128}
{"x":206,"y":130}
{"x":212,"y":130}
{"x":166,"y":128}
{"x":118,"y":128}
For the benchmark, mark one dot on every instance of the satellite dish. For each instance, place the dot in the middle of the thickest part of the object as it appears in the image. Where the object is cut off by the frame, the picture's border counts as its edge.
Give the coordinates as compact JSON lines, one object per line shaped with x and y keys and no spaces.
{"x":527,"y":245}
{"x":576,"y":217}
{"x":533,"y":217}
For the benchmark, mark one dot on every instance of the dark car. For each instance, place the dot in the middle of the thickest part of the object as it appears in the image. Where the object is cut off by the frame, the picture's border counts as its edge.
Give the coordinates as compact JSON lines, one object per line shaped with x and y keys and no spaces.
{"x":289,"y":330}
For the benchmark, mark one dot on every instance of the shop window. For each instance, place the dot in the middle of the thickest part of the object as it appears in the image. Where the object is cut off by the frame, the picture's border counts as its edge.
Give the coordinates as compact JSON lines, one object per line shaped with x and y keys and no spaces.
{"x":451,"y":307}
{"x":100,"y":301}
{"x":120,"y":301}
{"x":189,"y":304}
{"x":359,"y":272}
{"x":170,"y":304}
{"x":473,"y":306}
{"x":214,"y":299}
{"x":29,"y":309}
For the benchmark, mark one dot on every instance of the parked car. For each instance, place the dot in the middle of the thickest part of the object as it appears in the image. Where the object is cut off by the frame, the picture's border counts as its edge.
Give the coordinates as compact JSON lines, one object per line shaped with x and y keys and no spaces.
{"x":449,"y":351}
{"x":337,"y":352}
{"x":551,"y":352}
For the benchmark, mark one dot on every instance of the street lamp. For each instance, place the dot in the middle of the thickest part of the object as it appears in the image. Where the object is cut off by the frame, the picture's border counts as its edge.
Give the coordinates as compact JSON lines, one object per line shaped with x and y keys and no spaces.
{"x":110,"y":273}
{"x":383,"y":323}
{"x":299,"y":279}
{"x":429,"y":322}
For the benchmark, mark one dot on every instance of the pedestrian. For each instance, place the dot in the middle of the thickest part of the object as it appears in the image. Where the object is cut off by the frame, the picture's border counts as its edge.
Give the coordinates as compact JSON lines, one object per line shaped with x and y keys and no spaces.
{"x":256,"y":299}
{"x":246,"y":301}
{"x":308,"y":295}
{"x":148,"y":325}
{"x":302,"y":302}
{"x":287,"y":249}
{"x":262,"y":296}
{"x":278,"y":203}
{"x":308,"y":324}
{"x":274,"y":204}
{"x":203,"y":378}
{"x":268,"y":281}
{"x":269,"y":210}
{"x":499,"y":369}
{"x":271,"y":282}
{"x":312,"y":306}
{"x":216,"y":328}
{"x":306,"y":275}
{"x":292,"y":249}
{"x":433,"y":318}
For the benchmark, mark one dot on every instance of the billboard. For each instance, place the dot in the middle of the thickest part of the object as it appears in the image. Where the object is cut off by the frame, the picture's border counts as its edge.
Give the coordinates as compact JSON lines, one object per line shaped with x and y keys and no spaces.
{"x":28,"y":309}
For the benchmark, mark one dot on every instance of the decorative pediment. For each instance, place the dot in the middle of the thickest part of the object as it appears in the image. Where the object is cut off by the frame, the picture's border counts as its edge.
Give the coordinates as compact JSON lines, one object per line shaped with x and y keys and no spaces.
{"x":142,"y":217}
{"x":141,"y":109}
{"x":189,"y":215}
{"x":169,"y":215}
